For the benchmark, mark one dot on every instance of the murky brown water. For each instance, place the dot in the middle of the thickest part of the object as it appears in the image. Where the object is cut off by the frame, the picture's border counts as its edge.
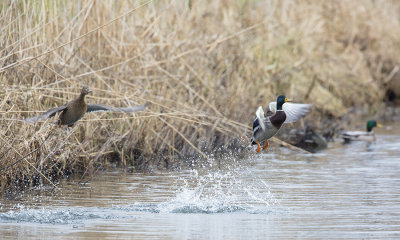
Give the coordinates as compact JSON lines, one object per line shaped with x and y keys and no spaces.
{"x":348,"y":191}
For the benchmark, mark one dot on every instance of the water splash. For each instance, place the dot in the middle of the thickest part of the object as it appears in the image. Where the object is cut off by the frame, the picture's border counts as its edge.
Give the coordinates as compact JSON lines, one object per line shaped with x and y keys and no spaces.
{"x":219,"y":192}
{"x":224,"y":191}
{"x":56,"y":216}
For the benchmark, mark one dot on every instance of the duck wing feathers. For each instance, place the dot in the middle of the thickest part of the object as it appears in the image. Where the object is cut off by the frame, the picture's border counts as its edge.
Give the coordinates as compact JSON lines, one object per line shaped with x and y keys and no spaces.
{"x":358,"y":136}
{"x":261,"y":117}
{"x":104,"y":108}
{"x":48,"y":114}
{"x":294,"y":111}
{"x":355,"y":133}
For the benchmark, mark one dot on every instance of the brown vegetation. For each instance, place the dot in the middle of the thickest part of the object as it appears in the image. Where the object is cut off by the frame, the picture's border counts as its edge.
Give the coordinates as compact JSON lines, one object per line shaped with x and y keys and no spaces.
{"x":204,"y":66}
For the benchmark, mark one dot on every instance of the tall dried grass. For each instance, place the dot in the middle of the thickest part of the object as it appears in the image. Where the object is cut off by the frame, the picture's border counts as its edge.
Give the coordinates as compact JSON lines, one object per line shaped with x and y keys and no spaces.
{"x":203,"y":65}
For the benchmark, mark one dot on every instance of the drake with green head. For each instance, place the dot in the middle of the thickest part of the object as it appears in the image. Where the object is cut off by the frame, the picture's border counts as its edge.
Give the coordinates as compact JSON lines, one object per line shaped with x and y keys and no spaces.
{"x":279,"y":112}
{"x":369,"y":135}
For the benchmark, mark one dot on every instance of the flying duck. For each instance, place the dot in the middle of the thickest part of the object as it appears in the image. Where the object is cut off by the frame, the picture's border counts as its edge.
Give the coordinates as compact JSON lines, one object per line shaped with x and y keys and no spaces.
{"x":74,"y":110}
{"x":279,"y":112}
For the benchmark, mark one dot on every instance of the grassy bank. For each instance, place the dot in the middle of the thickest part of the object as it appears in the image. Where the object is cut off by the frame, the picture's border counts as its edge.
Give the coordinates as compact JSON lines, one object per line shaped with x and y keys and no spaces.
{"x":204,"y":66}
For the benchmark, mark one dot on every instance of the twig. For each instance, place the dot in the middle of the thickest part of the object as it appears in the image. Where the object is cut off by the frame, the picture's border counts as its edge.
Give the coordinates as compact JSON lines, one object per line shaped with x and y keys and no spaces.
{"x":183,"y":136}
{"x":73,"y":40}
{"x":391,"y":75}
{"x":22,"y":158}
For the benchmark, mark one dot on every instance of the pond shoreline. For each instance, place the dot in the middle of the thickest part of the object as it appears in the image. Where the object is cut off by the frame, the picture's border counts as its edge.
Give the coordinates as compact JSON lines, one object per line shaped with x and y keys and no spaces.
{"x":346,"y":191}
{"x":237,"y":150}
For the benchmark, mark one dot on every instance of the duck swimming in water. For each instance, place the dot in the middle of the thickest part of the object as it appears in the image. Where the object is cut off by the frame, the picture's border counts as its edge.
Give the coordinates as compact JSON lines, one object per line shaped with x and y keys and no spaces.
{"x":368,"y":136}
{"x":74,"y":110}
{"x":280,"y":112}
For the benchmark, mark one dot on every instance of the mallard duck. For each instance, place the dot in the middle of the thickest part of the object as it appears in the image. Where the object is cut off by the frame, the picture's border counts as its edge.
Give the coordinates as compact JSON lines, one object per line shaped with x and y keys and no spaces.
{"x":74,"y":110}
{"x":279,"y":112}
{"x":368,"y":136}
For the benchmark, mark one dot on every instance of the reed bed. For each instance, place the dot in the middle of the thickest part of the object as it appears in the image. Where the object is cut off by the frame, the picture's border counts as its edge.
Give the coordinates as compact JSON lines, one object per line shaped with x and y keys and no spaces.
{"x":203,"y":66}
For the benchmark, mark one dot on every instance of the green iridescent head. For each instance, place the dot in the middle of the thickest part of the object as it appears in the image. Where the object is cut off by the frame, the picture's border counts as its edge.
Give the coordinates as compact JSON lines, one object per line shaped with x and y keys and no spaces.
{"x":280,"y":101}
{"x":371,"y":124}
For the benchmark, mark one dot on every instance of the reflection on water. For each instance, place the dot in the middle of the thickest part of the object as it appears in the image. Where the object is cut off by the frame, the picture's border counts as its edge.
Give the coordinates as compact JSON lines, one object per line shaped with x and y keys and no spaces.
{"x":348,"y":191}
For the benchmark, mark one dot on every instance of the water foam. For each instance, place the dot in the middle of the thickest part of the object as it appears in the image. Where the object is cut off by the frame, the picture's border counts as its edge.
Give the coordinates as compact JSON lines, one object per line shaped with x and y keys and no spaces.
{"x":233,"y":191}
{"x":55,"y":216}
{"x":219,"y":192}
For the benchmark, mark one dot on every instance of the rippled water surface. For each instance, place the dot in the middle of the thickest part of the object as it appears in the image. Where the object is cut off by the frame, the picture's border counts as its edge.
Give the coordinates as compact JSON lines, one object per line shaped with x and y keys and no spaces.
{"x":347,"y":191}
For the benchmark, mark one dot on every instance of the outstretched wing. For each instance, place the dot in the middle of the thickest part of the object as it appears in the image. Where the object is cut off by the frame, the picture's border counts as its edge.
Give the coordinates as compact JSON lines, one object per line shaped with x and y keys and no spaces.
{"x":295,"y":111}
{"x":271,"y":107}
{"x":48,"y":114}
{"x":260,"y":116}
{"x":104,"y":108}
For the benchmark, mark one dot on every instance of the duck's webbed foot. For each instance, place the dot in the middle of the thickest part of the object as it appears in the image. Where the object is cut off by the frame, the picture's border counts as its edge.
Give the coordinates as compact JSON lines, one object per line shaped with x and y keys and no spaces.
{"x":266,"y":145}
{"x":59,"y":123}
{"x":259,"y":147}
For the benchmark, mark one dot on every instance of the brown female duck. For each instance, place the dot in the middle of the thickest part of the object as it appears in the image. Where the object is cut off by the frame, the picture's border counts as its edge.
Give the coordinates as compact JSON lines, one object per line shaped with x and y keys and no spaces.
{"x":74,"y":110}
